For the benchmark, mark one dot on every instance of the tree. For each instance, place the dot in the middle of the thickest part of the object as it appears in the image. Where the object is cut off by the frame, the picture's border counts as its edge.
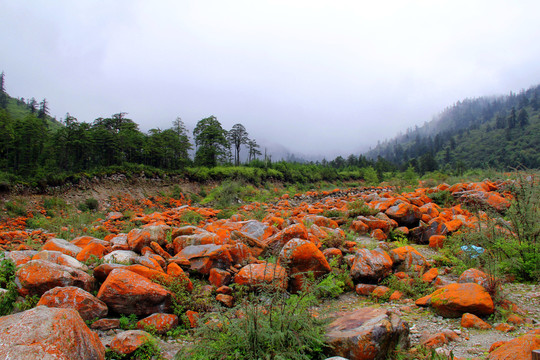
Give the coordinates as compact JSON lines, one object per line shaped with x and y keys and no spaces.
{"x":184,"y":145}
{"x":523,"y":118}
{"x":512,"y":118}
{"x":3,"y":95}
{"x":237,"y":137}
{"x":253,"y":149}
{"x":211,"y":141}
{"x":43,"y":109}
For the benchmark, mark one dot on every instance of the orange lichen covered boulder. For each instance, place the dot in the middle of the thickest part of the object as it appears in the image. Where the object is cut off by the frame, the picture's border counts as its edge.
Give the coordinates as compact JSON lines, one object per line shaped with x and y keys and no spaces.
{"x":407,"y":258}
{"x":93,"y":249}
{"x":300,"y":258}
{"x":160,"y":323}
{"x":519,"y":348}
{"x":371,"y":265}
{"x":378,"y":235}
{"x":37,"y":276}
{"x":71,"y":297}
{"x":359,"y":227}
{"x":473,"y":321}
{"x":366,"y":334}
{"x":127,"y":292}
{"x":82,"y":241}
{"x":455,"y":299}
{"x":262,"y":274}
{"x":436,"y":241}
{"x":128,"y":341}
{"x":48,"y":333}
{"x":65,"y":247}
{"x":219,"y":277}
{"x":202,"y":258}
{"x":405,"y":214}
{"x":276,"y":242}
{"x":430,"y":275}
{"x":474,"y":276}
{"x":139,"y":238}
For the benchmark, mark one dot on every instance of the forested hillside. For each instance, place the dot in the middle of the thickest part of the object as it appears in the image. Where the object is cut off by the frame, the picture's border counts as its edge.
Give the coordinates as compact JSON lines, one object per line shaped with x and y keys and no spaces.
{"x":499,"y":132}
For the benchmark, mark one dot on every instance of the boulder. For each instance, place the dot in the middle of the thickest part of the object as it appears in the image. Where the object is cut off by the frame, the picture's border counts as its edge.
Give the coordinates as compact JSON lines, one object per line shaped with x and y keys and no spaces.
{"x":474,"y":276}
{"x":276,"y":242}
{"x":20,"y":257}
{"x":139,"y":238}
{"x":473,"y":321}
{"x":265,"y":274}
{"x":129,"y":341}
{"x":64,"y":246}
{"x":121,"y":257}
{"x":59,"y":258}
{"x":202,"y":258}
{"x":519,"y":348}
{"x":407,"y":258}
{"x":71,"y":297}
{"x":46,"y":333}
{"x":371,"y":265}
{"x":126,"y":292}
{"x":92,"y":250}
{"x":37,"y":276}
{"x":160,"y":323}
{"x":405,"y":214}
{"x":367,"y":334}
{"x":302,"y":258}
{"x":455,"y":299}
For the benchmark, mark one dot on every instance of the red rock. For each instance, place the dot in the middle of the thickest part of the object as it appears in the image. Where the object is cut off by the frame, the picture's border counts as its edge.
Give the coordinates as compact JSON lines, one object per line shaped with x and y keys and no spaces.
{"x":226,"y":300}
{"x":367,"y":334}
{"x":380,"y":291}
{"x":407,"y":257}
{"x":474,"y":276}
{"x":375,"y":223}
{"x":256,"y":246}
{"x":320,"y":221}
{"x":20,"y":257}
{"x":219,"y":277}
{"x":92,"y":250}
{"x":224,"y":290}
{"x":300,"y":258}
{"x":473,"y":321}
{"x":159,"y":323}
{"x":262,"y":274}
{"x":519,"y":348}
{"x":128,"y":341}
{"x":139,"y":238}
{"x":102,"y":271}
{"x":129,"y":293}
{"x":505,"y":327}
{"x":405,"y":214}
{"x":359,"y":227}
{"x":455,"y":299}
{"x":59,"y":258}
{"x":37,"y":276}
{"x":365,"y":289}
{"x":371,"y":266}
{"x":71,"y":297}
{"x":193,"y":317}
{"x":496,"y":344}
{"x":82,"y":241}
{"x":65,"y":247}
{"x":276,"y":242}
{"x":430,"y":275}
{"x":433,"y":341}
{"x":333,"y":254}
{"x":396,"y":295}
{"x":515,"y":319}
{"x":105,"y":324}
{"x":48,"y":333}
{"x":378,"y":235}
{"x":202,"y":258}
{"x":436,"y":241}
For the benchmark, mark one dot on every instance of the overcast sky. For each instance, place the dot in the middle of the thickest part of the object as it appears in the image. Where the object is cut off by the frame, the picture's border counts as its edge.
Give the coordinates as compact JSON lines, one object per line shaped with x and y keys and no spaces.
{"x":318,"y":77}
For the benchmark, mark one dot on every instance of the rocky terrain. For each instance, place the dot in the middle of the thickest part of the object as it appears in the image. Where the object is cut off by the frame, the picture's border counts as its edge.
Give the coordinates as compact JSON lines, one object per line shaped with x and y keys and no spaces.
{"x":399,"y":295}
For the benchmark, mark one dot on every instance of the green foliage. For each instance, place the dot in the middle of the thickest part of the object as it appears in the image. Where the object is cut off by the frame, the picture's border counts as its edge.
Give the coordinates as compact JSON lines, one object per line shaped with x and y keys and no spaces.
{"x":398,"y":237}
{"x":413,"y":287}
{"x":7,"y":282}
{"x":359,"y":208}
{"x":442,"y":198}
{"x":15,"y":208}
{"x":128,"y":322}
{"x":335,"y":283}
{"x":89,"y":204}
{"x":28,"y":303}
{"x":191,"y":217}
{"x":273,"y":325}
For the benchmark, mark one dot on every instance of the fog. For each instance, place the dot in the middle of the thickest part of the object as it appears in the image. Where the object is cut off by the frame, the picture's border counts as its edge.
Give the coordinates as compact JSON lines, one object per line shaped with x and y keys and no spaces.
{"x":317,"y":78}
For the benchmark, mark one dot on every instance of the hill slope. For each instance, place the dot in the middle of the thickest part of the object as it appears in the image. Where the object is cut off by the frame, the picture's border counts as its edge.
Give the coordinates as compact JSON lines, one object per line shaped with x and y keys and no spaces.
{"x":500,"y":132}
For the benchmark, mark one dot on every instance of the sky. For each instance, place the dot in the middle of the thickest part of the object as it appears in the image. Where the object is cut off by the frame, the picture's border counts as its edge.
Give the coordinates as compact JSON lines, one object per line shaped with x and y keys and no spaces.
{"x":316,"y":78}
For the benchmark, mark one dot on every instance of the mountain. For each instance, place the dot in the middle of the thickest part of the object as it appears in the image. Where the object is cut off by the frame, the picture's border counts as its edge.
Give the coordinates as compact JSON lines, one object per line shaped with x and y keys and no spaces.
{"x":501,"y":132}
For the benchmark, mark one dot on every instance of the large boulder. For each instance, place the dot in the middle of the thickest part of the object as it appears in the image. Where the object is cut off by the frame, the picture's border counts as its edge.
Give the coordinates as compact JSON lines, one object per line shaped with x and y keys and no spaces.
{"x":274,"y":243}
{"x":407,"y":258}
{"x":302,"y":258}
{"x":265,"y":274}
{"x":71,"y":297}
{"x":139,"y":238}
{"x":371,"y":265}
{"x":64,"y":246}
{"x":43,"y":333}
{"x":127,"y":342}
{"x":202,"y":258}
{"x":158,"y":323}
{"x":405,"y":214}
{"x":367,"y":334}
{"x":519,"y":348}
{"x":37,"y":276}
{"x":474,"y":276}
{"x":455,"y":299}
{"x":60,"y":258}
{"x":126,"y":292}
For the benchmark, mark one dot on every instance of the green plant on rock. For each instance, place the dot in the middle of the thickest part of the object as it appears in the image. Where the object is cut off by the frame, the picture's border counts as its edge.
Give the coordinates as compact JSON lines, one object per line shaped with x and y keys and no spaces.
{"x":150,"y":350}
{"x":269,"y":324}
{"x":191,"y":217}
{"x":359,"y":208}
{"x":413,"y":287}
{"x":7,"y":282}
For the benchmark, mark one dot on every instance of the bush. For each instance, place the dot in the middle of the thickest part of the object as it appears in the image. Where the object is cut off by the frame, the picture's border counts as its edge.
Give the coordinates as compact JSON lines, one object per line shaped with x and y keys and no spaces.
{"x":442,"y":198}
{"x":413,"y":287}
{"x":267,"y":325}
{"x":7,"y":281}
{"x":89,"y":204}
{"x":191,"y":217}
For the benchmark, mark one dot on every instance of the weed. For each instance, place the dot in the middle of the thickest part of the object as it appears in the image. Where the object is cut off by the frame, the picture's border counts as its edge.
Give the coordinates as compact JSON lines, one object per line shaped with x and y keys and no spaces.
{"x":7,"y":281}
{"x":191,"y":217}
{"x":14,"y":208}
{"x":89,"y":204}
{"x":442,"y":198}
{"x":28,"y":303}
{"x":150,"y":350}
{"x":128,"y":322}
{"x":413,"y":287}
{"x":359,"y":208}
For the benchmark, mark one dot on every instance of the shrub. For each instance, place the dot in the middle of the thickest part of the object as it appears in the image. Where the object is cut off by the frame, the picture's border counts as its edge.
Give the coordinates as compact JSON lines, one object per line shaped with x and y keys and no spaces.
{"x":191,"y":217}
{"x":359,"y":208}
{"x":89,"y":204}
{"x":442,"y":198}
{"x":7,"y":281}
{"x":272,"y":325}
{"x":413,"y":287}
